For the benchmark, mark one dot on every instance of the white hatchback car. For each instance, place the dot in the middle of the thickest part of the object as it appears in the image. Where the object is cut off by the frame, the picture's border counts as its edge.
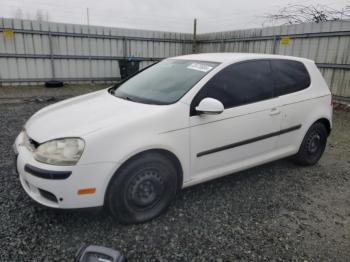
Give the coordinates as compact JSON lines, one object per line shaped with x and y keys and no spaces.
{"x":180,"y":122}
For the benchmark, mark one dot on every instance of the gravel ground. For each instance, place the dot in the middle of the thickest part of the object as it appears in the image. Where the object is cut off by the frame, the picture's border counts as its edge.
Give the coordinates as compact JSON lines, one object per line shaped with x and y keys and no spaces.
{"x":275,"y":212}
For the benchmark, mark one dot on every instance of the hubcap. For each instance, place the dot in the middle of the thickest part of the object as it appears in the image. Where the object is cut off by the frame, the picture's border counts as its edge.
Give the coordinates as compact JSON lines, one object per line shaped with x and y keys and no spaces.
{"x":145,"y":189}
{"x":314,"y":143}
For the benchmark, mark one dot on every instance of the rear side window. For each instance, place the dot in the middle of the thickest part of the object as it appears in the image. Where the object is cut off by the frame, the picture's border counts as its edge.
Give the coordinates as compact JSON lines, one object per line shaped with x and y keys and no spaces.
{"x":290,"y":76}
{"x":239,"y":84}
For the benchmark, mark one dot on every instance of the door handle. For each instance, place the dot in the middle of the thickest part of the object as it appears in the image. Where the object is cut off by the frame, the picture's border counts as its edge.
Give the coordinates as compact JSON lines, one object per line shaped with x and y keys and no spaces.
{"x":274,"y":111}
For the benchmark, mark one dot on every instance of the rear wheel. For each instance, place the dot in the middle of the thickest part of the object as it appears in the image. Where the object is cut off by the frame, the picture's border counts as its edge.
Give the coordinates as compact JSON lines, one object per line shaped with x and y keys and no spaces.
{"x":142,"y":189}
{"x":313,"y":145}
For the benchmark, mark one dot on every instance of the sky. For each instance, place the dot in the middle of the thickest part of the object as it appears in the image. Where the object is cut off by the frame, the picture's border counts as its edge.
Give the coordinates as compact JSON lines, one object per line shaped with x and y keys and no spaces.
{"x":162,"y":15}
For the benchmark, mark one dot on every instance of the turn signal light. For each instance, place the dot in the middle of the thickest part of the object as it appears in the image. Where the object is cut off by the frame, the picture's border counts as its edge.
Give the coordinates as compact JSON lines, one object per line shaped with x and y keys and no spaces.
{"x":86,"y":191}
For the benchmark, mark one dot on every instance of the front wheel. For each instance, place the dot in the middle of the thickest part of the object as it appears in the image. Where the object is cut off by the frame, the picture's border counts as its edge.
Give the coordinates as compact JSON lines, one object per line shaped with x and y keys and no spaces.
{"x":142,"y":189}
{"x":313,"y":145}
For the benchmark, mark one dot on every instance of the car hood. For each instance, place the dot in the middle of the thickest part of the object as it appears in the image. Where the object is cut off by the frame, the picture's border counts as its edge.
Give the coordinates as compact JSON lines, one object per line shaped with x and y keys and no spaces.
{"x":79,"y":116}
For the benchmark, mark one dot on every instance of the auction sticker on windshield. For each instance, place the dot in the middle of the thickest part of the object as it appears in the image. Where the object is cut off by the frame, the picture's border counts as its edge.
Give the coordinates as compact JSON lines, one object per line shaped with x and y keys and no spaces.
{"x":200,"y":67}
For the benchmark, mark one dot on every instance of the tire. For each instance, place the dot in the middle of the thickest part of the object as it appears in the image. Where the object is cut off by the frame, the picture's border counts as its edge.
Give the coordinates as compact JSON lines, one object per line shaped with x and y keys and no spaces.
{"x":313,"y":145}
{"x":142,"y":189}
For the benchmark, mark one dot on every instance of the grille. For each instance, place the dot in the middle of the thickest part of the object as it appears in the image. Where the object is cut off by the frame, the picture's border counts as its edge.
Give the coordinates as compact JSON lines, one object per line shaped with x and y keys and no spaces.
{"x":48,"y":195}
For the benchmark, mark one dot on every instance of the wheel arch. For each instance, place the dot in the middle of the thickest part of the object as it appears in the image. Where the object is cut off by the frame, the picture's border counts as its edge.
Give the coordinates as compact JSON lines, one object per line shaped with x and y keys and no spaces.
{"x":323,"y":119}
{"x":168,"y":154}
{"x":326,"y":123}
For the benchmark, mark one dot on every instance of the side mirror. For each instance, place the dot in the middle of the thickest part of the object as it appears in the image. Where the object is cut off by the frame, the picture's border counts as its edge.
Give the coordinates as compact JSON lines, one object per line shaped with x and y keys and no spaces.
{"x":210,"y":106}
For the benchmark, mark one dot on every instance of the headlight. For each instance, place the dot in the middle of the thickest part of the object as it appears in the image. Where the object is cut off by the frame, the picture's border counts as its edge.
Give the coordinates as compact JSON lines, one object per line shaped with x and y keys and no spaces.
{"x":62,"y":152}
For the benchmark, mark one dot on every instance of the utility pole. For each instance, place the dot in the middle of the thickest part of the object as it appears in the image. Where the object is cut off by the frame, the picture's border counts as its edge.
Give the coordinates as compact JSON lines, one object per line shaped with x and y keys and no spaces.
{"x":89,"y":44}
{"x":194,"y":43}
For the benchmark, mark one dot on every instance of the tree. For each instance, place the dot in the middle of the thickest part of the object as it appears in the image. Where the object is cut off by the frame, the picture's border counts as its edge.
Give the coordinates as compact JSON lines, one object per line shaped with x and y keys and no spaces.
{"x":296,"y":14}
{"x":18,"y":14}
{"x":41,"y":15}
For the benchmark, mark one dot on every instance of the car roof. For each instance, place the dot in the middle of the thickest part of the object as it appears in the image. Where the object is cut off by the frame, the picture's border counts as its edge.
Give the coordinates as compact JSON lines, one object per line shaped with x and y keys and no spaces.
{"x":231,"y":57}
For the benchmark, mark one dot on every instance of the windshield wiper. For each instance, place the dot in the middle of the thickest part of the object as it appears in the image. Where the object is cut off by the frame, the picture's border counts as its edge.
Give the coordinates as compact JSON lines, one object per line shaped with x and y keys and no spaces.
{"x":138,"y":100}
{"x":126,"y":98}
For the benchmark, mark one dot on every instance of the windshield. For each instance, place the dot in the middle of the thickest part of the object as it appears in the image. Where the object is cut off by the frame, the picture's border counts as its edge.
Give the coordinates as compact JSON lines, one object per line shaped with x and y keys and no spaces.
{"x":165,"y":82}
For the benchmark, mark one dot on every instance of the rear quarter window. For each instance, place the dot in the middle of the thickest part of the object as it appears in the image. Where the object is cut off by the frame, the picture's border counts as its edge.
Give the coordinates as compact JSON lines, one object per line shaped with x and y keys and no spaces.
{"x":290,"y":76}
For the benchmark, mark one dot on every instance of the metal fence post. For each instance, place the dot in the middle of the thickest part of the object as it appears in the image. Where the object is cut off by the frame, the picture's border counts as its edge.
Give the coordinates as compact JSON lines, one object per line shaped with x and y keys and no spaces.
{"x":52,"y":61}
{"x":89,"y":44}
{"x":275,"y":41}
{"x":222,"y":48}
{"x":125,"y":47}
{"x":183,"y":47}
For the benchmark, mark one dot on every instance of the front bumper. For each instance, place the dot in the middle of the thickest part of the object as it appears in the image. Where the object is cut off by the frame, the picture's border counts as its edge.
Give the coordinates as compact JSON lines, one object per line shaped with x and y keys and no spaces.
{"x":62,"y":193}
